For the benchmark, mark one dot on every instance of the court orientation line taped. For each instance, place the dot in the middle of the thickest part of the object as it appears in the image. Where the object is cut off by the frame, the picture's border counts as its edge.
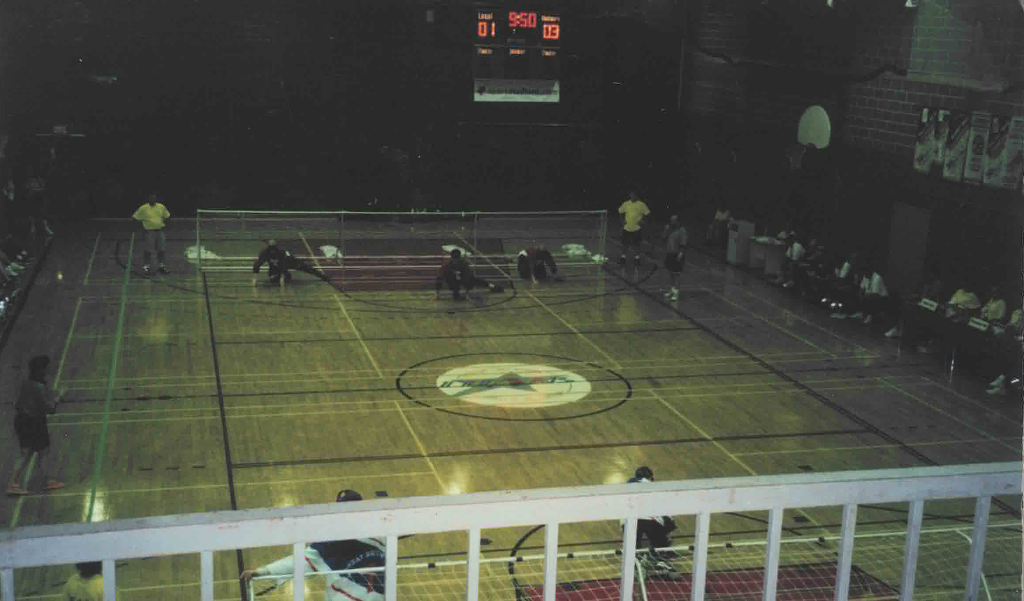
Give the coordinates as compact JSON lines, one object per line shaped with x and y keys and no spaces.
{"x":344,"y":312}
{"x":615,"y":364}
{"x":111,"y":378}
{"x":92,"y":257}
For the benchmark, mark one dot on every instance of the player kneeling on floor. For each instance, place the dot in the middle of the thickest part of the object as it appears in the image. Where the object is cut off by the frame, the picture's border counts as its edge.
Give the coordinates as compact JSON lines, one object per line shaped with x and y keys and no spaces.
{"x":355,"y":554}
{"x":456,"y":273}
{"x":656,"y":530}
{"x":281,"y":262}
{"x":534,"y":263}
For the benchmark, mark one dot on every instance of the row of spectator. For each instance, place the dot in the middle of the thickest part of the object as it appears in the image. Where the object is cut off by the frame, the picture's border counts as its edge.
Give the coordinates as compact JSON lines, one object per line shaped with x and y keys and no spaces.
{"x":853,"y":287}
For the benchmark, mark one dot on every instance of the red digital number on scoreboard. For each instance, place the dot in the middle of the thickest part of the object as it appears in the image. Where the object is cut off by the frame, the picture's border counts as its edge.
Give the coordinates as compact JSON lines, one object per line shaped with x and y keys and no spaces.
{"x":522,"y":20}
{"x":551,"y":31}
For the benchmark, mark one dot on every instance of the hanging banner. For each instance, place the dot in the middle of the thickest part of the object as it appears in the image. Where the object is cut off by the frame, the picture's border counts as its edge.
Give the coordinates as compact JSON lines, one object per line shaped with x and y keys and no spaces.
{"x":955,"y":154}
{"x":1014,"y":156}
{"x":939,"y":141}
{"x":924,"y":149}
{"x":996,"y":151}
{"x":978,"y":143}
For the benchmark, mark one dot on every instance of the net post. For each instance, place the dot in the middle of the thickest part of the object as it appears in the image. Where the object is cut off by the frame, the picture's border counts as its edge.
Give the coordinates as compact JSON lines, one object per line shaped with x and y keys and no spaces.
{"x":700,"y":556}
{"x":206,"y":575}
{"x":341,"y":238}
{"x":911,"y":549}
{"x":771,"y":553}
{"x":473,"y":565}
{"x":628,"y":559}
{"x":299,"y":572}
{"x":476,"y":228}
{"x":391,"y":568}
{"x":199,"y":249}
{"x":981,"y":511}
{"x":846,"y":552}
{"x":550,"y":561}
{"x":109,"y":580}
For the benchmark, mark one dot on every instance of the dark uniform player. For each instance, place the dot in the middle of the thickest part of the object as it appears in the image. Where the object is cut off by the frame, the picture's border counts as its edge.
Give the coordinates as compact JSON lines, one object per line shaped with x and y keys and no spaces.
{"x":330,"y":556}
{"x":456,"y":273}
{"x":656,"y":530}
{"x":281,"y":262}
{"x":534,"y":263}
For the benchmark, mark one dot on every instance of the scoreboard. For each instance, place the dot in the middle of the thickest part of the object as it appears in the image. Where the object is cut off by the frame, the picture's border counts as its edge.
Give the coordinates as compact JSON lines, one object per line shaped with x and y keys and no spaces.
{"x":516,"y":56}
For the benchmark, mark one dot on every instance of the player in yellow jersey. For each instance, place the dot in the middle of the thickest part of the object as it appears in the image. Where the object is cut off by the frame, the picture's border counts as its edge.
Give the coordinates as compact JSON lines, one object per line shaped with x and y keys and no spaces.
{"x":633,"y":211}
{"x":153,"y":216}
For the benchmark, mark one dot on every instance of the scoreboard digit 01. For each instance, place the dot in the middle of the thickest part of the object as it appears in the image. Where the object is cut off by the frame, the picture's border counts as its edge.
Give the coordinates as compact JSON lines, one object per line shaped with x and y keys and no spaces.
{"x":516,"y":56}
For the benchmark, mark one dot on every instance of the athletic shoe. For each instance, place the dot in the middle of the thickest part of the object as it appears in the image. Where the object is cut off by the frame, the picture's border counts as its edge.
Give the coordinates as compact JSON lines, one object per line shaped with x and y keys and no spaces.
{"x":893,"y":332}
{"x":164,"y":270}
{"x":53,"y":485}
{"x":145,"y":268}
{"x":838,"y":316}
{"x":997,"y":382}
{"x":867,"y":320}
{"x":858,"y":315}
{"x":996,"y":391}
{"x":675,"y":295}
{"x":15,"y":490}
{"x":668,"y":293}
{"x":925,"y":349}
{"x":497,"y":288}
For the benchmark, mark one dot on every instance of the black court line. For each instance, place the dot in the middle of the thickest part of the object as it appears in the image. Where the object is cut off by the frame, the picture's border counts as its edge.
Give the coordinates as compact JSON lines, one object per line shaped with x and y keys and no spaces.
{"x":224,"y":427}
{"x":804,"y":387}
{"x":511,"y":450}
{"x":390,"y":388}
{"x":460,"y":336}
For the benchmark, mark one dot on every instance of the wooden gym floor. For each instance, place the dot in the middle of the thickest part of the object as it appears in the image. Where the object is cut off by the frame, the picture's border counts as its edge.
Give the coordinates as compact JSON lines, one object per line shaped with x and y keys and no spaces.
{"x":228,"y":395}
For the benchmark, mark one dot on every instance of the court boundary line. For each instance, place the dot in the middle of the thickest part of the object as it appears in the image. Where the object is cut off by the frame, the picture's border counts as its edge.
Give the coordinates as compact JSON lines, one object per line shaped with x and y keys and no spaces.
{"x":223,"y":424}
{"x":115,"y":359}
{"x":341,"y":305}
{"x":92,"y":257}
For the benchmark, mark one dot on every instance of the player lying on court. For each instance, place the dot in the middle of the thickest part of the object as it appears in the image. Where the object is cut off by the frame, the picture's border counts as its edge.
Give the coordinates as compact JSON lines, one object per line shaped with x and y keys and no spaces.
{"x":281,"y":262}
{"x":534,"y":263}
{"x":457,"y":274}
{"x":337,"y":555}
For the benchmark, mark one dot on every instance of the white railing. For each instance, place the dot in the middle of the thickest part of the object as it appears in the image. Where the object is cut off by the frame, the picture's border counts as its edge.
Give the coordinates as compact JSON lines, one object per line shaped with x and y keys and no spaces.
{"x":390,"y":518}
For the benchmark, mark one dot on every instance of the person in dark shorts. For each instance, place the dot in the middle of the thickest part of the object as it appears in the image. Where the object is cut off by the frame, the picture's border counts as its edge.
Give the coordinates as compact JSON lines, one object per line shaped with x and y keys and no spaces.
{"x":35,"y":401}
{"x":535,"y":262}
{"x":456,"y":273}
{"x":281,"y":262}
{"x":675,"y":254}
{"x":633,"y":212}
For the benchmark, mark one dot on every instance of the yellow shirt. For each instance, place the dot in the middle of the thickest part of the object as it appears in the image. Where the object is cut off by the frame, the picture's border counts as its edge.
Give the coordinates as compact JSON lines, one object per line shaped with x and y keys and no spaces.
{"x":994,"y":310}
{"x":152,"y":217}
{"x":633,"y":212}
{"x":84,"y":589}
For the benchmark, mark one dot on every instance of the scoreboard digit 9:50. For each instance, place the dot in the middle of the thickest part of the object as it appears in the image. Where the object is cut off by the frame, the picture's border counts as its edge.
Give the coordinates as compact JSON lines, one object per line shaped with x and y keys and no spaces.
{"x":516,"y":56}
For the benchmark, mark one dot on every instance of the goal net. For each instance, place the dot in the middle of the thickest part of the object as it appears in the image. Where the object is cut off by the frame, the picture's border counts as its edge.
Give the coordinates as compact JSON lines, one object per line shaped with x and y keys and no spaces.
{"x":735,"y":571}
{"x":369,"y":251}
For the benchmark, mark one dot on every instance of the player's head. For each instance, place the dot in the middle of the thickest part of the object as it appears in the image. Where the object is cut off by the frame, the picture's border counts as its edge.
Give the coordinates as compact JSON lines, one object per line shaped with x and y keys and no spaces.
{"x":272,"y":242}
{"x":634,"y":196}
{"x":37,"y":365}
{"x":456,"y":253}
{"x":151,"y":199}
{"x":349,"y":495}
{"x":645,"y":472}
{"x":88,"y":569}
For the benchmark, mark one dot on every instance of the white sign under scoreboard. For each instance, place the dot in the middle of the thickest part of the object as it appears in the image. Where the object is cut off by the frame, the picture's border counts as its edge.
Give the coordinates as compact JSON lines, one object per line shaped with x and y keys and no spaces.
{"x":515,"y":90}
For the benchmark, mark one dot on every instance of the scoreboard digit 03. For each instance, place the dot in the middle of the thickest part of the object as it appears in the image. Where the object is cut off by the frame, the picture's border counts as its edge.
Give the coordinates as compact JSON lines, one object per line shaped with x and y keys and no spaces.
{"x":516,"y":56}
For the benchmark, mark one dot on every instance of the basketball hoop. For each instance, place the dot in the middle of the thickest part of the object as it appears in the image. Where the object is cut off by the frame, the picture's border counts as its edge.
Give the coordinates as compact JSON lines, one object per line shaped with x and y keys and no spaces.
{"x":795,"y":154}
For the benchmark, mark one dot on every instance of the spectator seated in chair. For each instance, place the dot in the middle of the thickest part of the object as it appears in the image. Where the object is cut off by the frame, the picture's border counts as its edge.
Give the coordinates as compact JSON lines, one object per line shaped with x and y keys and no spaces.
{"x":1000,"y":386}
{"x":795,"y":253}
{"x":844,"y":287}
{"x":873,"y":297}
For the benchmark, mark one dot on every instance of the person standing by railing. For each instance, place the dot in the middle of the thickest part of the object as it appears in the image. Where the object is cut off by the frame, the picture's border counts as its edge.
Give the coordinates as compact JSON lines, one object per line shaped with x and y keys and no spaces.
{"x":87,"y":584}
{"x":337,"y":555}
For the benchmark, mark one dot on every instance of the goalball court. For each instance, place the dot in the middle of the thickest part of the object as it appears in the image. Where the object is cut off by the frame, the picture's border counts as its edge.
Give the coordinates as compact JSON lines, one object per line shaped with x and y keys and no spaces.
{"x":199,"y":391}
